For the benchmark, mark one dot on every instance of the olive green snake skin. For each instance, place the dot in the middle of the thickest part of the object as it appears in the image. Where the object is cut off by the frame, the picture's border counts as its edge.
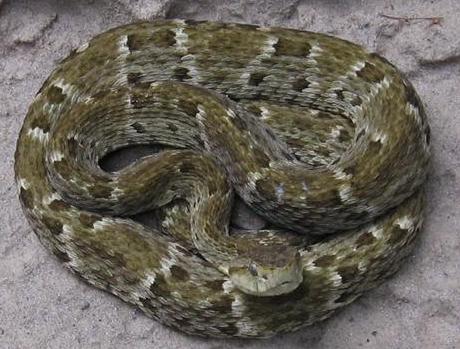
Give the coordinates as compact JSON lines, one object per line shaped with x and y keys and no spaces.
{"x":315,"y":134}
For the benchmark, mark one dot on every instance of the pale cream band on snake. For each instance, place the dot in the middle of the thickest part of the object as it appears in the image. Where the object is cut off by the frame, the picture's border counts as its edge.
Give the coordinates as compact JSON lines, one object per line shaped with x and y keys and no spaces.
{"x":315,"y":134}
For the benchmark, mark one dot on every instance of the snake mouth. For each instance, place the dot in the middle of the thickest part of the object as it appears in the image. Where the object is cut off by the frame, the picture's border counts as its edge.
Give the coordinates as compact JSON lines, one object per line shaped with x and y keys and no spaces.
{"x":265,"y":287}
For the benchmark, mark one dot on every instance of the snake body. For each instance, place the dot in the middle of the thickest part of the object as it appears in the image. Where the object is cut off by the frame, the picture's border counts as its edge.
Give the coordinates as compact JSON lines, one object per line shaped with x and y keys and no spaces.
{"x":315,"y":134}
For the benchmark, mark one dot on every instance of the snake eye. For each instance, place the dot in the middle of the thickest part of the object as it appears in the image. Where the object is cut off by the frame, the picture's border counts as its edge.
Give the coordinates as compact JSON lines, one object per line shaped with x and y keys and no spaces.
{"x":252,"y":267}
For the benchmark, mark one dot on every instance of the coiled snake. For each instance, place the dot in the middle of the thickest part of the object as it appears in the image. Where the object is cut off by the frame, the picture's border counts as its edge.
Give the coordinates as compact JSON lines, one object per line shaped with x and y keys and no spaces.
{"x":315,"y":134}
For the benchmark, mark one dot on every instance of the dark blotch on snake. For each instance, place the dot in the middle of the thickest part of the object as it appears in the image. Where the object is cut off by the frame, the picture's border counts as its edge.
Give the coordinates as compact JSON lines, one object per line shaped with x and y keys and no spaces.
{"x":183,"y":322}
{"x":73,"y":145}
{"x":215,"y":285}
{"x":412,"y":96}
{"x":164,"y":38}
{"x":374,"y":147}
{"x":427,"y":135}
{"x":181,"y":74}
{"x":26,"y":198}
{"x":300,"y":84}
{"x":42,"y":123}
{"x":180,"y":274}
{"x":251,"y":27}
{"x":325,"y":115}
{"x":230,"y":329}
{"x":159,"y":287}
{"x":147,"y":304}
{"x":58,"y":205}
{"x":184,"y":251}
{"x":100,"y":190}
{"x":134,"y":42}
{"x":256,"y":78}
{"x":286,"y":47}
{"x":62,"y":167}
{"x":139,"y":100}
{"x":199,"y":141}
{"x":134,"y":78}
{"x":343,"y":136}
{"x":188,"y":107}
{"x":365,"y":239}
{"x":55,"y":95}
{"x":350,"y":170}
{"x":192,"y":22}
{"x":138,"y":127}
{"x":240,"y":123}
{"x":172,"y":127}
{"x":356,"y":101}
{"x":62,"y":256}
{"x":396,"y":234}
{"x":361,"y":133}
{"x":335,"y":197}
{"x":370,"y":73}
{"x":340,"y":95}
{"x":325,"y":261}
{"x":271,"y":134}
{"x":348,"y":273}
{"x":88,"y":220}
{"x":54,"y":225}
{"x":345,"y":297}
{"x":223,"y":304}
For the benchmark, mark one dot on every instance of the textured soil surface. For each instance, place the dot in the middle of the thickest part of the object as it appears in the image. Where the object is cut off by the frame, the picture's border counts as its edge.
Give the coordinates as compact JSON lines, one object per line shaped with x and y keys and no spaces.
{"x":42,"y":305}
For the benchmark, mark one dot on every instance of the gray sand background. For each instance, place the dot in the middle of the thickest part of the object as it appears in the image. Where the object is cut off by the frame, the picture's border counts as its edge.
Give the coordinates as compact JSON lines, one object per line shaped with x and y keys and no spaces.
{"x":43,"y":306}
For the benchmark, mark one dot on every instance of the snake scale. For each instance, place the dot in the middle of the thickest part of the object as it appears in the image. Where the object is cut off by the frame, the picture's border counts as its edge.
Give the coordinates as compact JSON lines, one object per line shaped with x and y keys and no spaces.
{"x":314,"y":133}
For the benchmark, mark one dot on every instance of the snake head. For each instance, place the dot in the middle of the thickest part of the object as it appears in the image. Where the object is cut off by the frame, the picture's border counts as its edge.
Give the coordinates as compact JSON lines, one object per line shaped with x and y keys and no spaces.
{"x":267,"y":271}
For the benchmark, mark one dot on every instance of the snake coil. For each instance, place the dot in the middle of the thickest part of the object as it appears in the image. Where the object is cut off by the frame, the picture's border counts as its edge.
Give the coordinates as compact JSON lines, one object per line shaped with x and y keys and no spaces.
{"x":315,"y":134}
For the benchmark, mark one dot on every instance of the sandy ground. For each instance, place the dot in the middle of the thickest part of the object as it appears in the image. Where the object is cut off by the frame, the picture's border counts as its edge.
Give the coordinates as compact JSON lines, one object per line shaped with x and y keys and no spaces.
{"x":43,"y":306}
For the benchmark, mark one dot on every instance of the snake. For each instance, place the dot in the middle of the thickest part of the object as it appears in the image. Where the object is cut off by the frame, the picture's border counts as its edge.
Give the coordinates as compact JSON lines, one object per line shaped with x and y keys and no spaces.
{"x":326,"y":141}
